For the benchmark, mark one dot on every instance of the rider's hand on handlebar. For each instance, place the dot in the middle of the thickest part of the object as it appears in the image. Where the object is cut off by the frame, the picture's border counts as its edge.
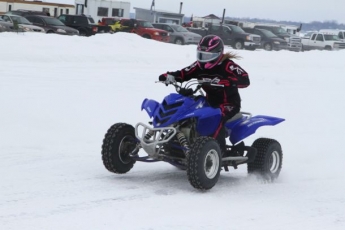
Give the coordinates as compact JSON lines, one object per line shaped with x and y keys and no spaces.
{"x":167,"y":78}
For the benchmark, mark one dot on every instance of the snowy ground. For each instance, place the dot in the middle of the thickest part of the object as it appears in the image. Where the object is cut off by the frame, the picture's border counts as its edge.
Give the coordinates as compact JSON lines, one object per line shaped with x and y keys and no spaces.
{"x":59,"y":95}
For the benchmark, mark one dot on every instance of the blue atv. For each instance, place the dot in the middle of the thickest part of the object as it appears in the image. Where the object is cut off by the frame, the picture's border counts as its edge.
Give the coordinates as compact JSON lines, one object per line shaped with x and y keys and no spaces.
{"x":180,"y":133}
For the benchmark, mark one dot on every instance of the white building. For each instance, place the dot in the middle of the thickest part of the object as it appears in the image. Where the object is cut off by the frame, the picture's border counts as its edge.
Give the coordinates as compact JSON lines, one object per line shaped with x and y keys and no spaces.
{"x":99,"y":9}
{"x":54,"y":9}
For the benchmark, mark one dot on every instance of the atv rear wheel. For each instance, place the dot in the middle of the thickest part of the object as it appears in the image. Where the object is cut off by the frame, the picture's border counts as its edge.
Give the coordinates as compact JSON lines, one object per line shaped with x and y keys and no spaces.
{"x":268,"y":160}
{"x":204,"y":163}
{"x":118,"y":142}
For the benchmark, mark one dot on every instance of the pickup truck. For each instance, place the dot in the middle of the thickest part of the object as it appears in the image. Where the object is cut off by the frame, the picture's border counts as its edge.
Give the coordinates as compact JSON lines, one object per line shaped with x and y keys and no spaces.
{"x":231,"y":35}
{"x":144,"y":28}
{"x":84,"y":24}
{"x":322,"y":41}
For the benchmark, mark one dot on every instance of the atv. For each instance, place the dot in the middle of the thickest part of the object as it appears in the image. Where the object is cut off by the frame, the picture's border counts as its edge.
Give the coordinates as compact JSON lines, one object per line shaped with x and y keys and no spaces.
{"x":180,"y":133}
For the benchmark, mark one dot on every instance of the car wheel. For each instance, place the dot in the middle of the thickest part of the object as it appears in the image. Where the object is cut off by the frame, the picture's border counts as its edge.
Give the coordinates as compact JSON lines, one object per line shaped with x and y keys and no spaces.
{"x":238,"y":45}
{"x":268,"y":46}
{"x":179,"y":41}
{"x":82,"y":33}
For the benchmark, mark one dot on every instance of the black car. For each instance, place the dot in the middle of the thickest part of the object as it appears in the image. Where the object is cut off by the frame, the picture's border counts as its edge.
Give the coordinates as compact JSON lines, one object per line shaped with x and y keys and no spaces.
{"x":51,"y":25}
{"x":269,"y":40}
{"x":84,"y":24}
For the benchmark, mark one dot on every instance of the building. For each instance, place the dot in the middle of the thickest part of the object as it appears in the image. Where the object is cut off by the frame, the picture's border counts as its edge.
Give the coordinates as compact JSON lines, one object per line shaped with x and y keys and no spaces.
{"x":99,"y":9}
{"x":206,"y":20}
{"x":54,"y":9}
{"x":158,"y":16}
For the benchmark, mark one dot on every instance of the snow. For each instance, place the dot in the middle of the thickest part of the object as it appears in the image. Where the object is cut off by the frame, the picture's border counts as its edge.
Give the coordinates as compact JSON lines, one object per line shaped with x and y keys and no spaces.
{"x":59,"y":95}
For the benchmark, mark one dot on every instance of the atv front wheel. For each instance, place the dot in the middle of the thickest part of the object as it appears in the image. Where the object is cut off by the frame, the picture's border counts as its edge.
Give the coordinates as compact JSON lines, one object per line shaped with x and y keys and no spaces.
{"x":118,"y":142}
{"x":268,"y":160}
{"x":204,"y":163}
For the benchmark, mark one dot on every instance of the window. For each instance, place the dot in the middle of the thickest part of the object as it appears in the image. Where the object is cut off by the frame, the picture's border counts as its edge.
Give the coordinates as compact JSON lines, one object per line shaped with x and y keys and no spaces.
{"x":67,"y":11}
{"x":117,"y":12}
{"x":102,"y":11}
{"x":313,"y":37}
{"x":45,"y":10}
{"x":341,"y":36}
{"x":9,"y":7}
{"x":62,"y":18}
{"x":79,"y":10}
{"x":167,"y":28}
{"x":55,"y":12}
{"x":319,"y":37}
{"x":61,"y":11}
{"x":80,"y":20}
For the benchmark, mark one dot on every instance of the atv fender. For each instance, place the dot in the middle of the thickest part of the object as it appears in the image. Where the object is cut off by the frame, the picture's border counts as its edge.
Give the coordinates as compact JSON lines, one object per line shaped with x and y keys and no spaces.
{"x":150,"y":106}
{"x":249,"y":126}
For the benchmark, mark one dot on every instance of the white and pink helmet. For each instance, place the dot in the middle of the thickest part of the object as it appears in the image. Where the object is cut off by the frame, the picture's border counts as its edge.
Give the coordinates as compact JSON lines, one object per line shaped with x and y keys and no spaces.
{"x":209,"y":51}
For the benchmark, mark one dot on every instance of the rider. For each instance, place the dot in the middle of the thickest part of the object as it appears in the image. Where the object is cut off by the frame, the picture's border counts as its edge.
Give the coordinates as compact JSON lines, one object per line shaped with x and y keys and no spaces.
{"x":218,"y":67}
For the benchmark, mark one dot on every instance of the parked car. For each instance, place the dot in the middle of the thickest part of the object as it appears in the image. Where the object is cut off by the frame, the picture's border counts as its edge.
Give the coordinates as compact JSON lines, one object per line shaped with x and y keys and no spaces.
{"x":84,"y":24}
{"x":23,"y":23}
{"x":51,"y":25}
{"x":145,"y":29}
{"x":178,"y":34}
{"x":232,"y":35}
{"x":5,"y":26}
{"x":322,"y":41}
{"x":269,"y":41}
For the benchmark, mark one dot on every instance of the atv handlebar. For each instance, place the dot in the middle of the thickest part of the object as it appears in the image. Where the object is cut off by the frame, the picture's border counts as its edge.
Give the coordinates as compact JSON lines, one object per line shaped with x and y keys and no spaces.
{"x":187,"y":89}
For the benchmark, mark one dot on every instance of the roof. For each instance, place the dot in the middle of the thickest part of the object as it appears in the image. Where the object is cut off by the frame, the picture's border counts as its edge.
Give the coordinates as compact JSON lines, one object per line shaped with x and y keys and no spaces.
{"x":159,"y":11}
{"x":211,"y":16}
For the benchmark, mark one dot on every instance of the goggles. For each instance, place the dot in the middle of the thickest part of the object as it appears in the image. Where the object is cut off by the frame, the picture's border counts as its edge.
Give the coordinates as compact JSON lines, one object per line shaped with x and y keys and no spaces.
{"x":203,"y":56}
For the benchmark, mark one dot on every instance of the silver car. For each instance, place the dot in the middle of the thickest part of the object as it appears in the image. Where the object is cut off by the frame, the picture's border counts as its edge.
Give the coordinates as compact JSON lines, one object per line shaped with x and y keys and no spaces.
{"x":23,"y":23}
{"x":5,"y":26}
{"x":178,"y":34}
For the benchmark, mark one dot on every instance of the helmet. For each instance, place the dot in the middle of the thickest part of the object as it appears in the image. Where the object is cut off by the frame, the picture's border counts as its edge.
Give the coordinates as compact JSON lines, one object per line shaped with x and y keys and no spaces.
{"x":209,"y":51}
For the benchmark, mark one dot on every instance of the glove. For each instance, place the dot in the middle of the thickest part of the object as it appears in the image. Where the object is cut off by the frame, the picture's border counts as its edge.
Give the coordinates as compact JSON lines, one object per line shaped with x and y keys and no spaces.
{"x":167,"y":78}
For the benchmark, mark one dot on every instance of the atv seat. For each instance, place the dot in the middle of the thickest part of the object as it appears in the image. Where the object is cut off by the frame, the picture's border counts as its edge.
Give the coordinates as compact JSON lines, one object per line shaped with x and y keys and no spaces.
{"x":236,"y":117}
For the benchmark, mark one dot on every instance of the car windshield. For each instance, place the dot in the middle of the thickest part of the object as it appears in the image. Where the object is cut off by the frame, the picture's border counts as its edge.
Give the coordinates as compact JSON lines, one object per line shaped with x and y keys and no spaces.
{"x":331,"y":37}
{"x":236,"y":29}
{"x":21,"y":20}
{"x":268,"y":34}
{"x":53,"y":22}
{"x":179,"y":28}
{"x":145,"y":24}
{"x":278,"y":30}
{"x":91,"y":20}
{"x":109,"y":21}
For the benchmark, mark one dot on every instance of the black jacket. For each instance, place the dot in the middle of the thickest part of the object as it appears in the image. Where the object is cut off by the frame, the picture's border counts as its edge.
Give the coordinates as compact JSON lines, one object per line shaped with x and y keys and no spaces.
{"x":227,"y":73}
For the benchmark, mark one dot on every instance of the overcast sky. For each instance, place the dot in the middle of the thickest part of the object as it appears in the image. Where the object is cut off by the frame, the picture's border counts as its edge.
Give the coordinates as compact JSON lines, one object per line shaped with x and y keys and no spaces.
{"x":292,"y":10}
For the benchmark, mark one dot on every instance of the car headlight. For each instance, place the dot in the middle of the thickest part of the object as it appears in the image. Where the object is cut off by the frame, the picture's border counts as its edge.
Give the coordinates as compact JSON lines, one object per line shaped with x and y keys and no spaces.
{"x":61,"y":31}
{"x":156,"y":33}
{"x":28,"y":29}
{"x":276,"y":42}
{"x":2,"y":26}
{"x":249,"y":38}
